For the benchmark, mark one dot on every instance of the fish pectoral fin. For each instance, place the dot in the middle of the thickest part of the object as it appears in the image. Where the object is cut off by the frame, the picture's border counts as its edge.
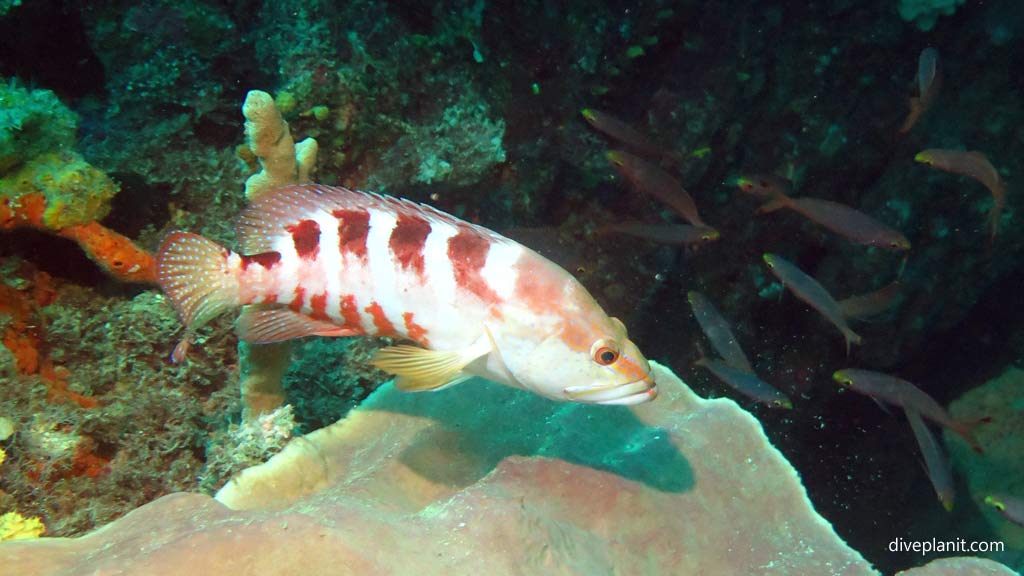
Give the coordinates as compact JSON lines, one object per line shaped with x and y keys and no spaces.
{"x":263,"y":325}
{"x":418,"y":369}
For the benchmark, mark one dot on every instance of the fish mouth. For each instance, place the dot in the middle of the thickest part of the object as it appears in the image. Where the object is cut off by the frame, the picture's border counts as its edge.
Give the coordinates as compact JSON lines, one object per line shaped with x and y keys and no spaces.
{"x":635,"y":392}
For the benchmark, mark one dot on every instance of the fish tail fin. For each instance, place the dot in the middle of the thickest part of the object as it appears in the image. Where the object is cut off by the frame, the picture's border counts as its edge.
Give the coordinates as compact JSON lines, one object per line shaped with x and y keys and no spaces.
{"x":965,"y":428}
{"x":916,"y":109}
{"x":851,"y":337}
{"x":778,"y":201}
{"x":195,"y":274}
{"x":992,"y":220}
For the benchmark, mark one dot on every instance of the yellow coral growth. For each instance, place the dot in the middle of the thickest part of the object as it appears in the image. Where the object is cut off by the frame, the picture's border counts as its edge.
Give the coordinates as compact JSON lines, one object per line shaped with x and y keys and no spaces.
{"x":75,"y":191}
{"x":14,"y":526}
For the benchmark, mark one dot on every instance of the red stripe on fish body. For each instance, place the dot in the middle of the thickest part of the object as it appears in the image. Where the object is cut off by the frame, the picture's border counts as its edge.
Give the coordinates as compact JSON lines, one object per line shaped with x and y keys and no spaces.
{"x":382,"y":326}
{"x":306,"y":238}
{"x":407,"y":241}
{"x":297,"y":299}
{"x":318,"y":304}
{"x":414,"y":330}
{"x":353,"y":226}
{"x":267,"y":260}
{"x":349,"y":311}
{"x":468,"y":254}
{"x":384,"y":266}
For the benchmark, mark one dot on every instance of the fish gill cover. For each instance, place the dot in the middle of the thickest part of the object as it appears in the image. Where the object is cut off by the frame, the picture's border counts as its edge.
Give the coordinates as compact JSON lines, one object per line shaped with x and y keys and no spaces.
{"x":132,"y":127}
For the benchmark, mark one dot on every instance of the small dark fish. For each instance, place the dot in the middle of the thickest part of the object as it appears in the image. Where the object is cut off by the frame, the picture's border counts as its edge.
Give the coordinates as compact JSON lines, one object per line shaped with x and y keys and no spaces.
{"x":746,"y":383}
{"x":649,"y":179}
{"x":622,"y":132}
{"x":975,"y":165}
{"x":671,"y":234}
{"x":813,"y":293}
{"x":839,"y":218}
{"x":928,"y":82}
{"x":940,"y":472}
{"x":901,"y":393}
{"x":718,"y":332}
{"x":863,"y":306}
{"x":764,"y":185}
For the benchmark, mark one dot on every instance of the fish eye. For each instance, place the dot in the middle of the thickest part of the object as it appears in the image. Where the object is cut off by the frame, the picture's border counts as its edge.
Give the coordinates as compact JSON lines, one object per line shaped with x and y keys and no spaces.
{"x":604,"y":353}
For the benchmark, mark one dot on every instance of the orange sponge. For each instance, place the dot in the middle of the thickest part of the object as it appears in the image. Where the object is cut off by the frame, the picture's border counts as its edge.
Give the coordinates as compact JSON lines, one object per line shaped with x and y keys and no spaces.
{"x":116,"y":254}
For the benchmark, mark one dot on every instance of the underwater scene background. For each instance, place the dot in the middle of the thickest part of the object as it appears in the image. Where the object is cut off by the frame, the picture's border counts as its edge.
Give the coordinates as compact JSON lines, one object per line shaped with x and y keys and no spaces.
{"x":573,"y":128}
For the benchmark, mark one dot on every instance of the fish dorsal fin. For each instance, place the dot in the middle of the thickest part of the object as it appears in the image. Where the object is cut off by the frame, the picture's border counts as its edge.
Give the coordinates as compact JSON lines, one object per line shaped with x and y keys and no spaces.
{"x":263,"y":325}
{"x":268,"y":218}
{"x":417,"y":369}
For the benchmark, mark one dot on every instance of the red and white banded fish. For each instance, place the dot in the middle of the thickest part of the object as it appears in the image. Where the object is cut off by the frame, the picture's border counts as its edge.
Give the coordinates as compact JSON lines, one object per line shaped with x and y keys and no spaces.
{"x":321,"y":260}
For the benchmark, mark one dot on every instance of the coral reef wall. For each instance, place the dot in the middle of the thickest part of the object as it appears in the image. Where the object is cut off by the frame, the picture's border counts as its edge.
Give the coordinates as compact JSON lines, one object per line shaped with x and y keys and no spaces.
{"x":130,"y":126}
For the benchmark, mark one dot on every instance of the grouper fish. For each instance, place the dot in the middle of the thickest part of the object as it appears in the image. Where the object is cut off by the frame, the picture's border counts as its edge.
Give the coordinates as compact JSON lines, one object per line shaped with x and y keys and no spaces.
{"x":328,"y":261}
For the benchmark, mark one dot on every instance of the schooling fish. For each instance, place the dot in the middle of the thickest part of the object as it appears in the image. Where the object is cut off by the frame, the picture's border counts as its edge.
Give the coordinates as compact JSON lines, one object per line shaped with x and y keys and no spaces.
{"x":839,"y":218}
{"x":746,"y":383}
{"x":928,"y":82}
{"x":814,"y":294}
{"x":622,"y":132}
{"x":718,"y":332}
{"x":864,"y":306}
{"x":940,"y":472}
{"x":899,"y":392}
{"x":764,"y":185}
{"x":321,"y":260}
{"x":649,"y":179}
{"x":671,"y":234}
{"x":973,"y":164}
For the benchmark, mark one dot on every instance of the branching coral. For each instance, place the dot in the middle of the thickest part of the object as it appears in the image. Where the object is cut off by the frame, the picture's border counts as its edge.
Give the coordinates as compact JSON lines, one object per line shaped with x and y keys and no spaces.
{"x":283,"y":161}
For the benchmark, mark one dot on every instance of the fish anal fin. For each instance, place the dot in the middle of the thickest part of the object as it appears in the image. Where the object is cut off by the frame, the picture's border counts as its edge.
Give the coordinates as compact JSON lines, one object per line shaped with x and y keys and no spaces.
{"x":263,"y":325}
{"x":408,"y":385}
{"x":419,"y":369}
